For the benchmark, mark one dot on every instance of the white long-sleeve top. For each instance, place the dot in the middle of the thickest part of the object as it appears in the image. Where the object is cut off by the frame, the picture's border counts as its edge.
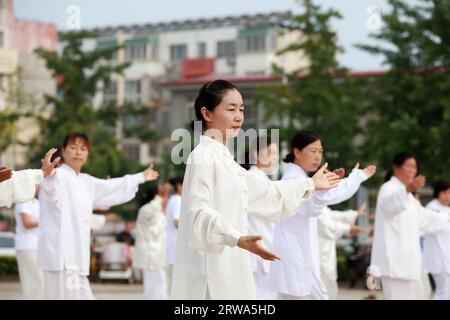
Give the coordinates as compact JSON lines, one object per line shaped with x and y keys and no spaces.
{"x":296,"y":238}
{"x":436,"y":250}
{"x":400,"y":220}
{"x":150,"y":246}
{"x":260,"y":226}
{"x":67,"y":200}
{"x":217,"y":196}
{"x":332,"y":225}
{"x":21,"y":187}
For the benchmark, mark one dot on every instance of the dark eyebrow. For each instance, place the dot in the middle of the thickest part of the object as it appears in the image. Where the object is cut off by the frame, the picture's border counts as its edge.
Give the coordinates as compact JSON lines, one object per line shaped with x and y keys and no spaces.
{"x":235,"y":105}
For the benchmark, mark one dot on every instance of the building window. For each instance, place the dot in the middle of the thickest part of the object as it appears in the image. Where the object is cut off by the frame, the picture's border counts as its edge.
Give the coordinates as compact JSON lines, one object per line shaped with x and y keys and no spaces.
{"x":135,"y":52}
{"x":201,"y":49}
{"x":255,"y":43}
{"x":2,"y":39}
{"x":132,"y":151}
{"x":110,"y":92}
{"x":178,"y":52}
{"x":133,"y":91}
{"x":226,"y":49}
{"x":165,"y":122}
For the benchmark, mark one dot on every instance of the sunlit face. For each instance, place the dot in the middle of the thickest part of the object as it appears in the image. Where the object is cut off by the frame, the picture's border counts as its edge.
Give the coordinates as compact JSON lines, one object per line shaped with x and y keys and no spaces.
{"x":407,"y":171}
{"x":310,"y":157}
{"x":75,"y":154}
{"x":267,"y":157}
{"x":444,"y":197}
{"x":228,"y":116}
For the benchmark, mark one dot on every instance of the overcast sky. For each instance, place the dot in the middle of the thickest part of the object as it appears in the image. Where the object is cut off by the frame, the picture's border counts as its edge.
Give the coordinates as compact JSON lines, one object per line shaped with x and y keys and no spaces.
{"x":355,"y":26}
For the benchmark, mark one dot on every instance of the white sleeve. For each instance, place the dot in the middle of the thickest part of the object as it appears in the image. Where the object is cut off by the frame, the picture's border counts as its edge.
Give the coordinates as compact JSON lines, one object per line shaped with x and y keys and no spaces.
{"x":347,"y":216}
{"x":21,"y":187}
{"x":393,"y":201}
{"x":207,"y":228}
{"x":431,"y":221}
{"x":111,"y":192}
{"x":345,"y":189}
{"x":176,"y":207}
{"x":330,"y":228}
{"x":273,"y":200}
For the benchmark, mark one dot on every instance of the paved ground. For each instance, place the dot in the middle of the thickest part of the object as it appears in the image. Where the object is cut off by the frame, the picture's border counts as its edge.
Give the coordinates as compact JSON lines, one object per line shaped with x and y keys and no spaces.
{"x":10,"y":290}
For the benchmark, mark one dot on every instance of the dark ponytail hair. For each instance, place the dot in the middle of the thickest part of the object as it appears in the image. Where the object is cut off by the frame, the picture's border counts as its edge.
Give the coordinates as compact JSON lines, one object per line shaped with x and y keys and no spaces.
{"x":439,"y":186}
{"x":210,"y":96}
{"x":149,"y":194}
{"x":398,"y":160}
{"x":299,"y":141}
{"x":258,"y":144}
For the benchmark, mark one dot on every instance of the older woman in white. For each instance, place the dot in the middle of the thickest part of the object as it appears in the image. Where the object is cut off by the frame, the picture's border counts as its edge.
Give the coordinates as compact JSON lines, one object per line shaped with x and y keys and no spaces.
{"x":217,"y":196}
{"x":67,"y":200}
{"x":436,"y":253}
{"x":20,"y":186}
{"x":149,"y":253}
{"x":400,"y":220}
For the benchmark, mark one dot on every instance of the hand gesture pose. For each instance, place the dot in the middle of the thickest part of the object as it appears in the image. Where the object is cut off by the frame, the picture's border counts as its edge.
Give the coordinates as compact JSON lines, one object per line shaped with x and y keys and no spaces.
{"x":369,"y":171}
{"x":252,"y":244}
{"x":5,"y":174}
{"x":324,"y":179}
{"x":416,"y":184}
{"x":48,"y":167}
{"x":150,"y":174}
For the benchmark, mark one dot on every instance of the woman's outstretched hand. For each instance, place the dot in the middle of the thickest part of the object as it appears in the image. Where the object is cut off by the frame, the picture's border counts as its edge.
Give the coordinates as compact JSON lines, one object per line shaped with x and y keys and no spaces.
{"x":150,"y":174}
{"x":48,"y":167}
{"x":252,"y":244}
{"x":324,"y":179}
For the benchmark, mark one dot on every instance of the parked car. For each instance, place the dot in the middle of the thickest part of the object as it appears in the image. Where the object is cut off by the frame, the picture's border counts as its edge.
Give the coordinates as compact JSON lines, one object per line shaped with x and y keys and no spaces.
{"x":7,"y":244}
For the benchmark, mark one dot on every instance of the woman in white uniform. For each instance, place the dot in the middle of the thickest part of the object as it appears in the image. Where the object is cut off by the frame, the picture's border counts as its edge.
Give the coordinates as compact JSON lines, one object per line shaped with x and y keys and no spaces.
{"x":262,"y":158}
{"x":436,"y":254}
{"x":400,"y":220}
{"x":27,"y":232}
{"x":217,"y":196}
{"x":150,"y":248}
{"x":297,"y":275}
{"x":67,"y":200}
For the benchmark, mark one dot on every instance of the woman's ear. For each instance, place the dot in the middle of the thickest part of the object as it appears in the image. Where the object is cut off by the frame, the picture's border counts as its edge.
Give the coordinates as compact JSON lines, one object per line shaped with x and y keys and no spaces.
{"x":206,"y":114}
{"x":297,"y":153}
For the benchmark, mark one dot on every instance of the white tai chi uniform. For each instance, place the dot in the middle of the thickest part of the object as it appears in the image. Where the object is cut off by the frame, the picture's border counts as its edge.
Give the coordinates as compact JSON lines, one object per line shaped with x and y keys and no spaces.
{"x":332,"y":226}
{"x":150,"y":249}
{"x":26,"y":241}
{"x":261,"y":267}
{"x":173,"y":213}
{"x":67,"y":200}
{"x":217,"y":195}
{"x":297,"y":275}
{"x":400,"y":219}
{"x":436,"y":254}
{"x":21,"y":187}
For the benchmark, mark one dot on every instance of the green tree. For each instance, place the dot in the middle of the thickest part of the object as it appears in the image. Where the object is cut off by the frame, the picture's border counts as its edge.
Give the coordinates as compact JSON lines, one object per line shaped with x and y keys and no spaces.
{"x":410,"y":104}
{"x":80,"y":74}
{"x":320,"y":96}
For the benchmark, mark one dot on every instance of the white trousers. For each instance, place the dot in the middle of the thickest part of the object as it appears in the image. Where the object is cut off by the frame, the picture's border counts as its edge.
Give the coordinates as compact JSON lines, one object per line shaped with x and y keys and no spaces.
{"x":66,"y":285}
{"x":31,"y":279}
{"x":442,"y":281}
{"x":261,"y":279}
{"x":155,"y":284}
{"x":331,"y":284}
{"x":318,"y":292}
{"x":423,"y":286}
{"x":399,"y":289}
{"x":169,"y":278}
